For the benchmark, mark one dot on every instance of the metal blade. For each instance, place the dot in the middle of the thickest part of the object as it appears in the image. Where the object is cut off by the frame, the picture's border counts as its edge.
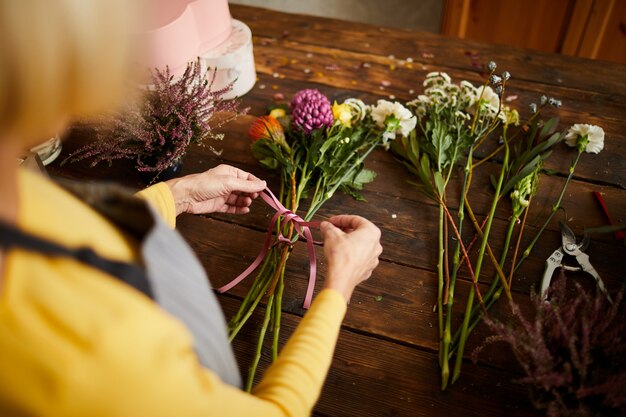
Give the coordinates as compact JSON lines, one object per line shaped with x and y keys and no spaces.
{"x":568,"y":237}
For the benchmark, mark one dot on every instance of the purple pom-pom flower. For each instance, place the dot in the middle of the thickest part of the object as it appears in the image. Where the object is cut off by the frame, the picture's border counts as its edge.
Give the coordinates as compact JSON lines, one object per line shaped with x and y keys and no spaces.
{"x":311,"y":110}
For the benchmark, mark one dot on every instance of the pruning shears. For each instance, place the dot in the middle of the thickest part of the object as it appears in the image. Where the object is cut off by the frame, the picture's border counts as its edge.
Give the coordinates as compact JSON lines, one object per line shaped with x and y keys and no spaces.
{"x":570,"y":247}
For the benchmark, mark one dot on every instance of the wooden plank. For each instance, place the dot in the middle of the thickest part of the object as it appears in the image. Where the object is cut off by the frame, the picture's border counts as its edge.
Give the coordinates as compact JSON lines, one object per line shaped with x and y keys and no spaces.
{"x":373,"y":377}
{"x":431,"y":49}
{"x":577,"y":27}
{"x":413,"y":228}
{"x":596,"y":28}
{"x":405,"y":292}
{"x":455,"y":16}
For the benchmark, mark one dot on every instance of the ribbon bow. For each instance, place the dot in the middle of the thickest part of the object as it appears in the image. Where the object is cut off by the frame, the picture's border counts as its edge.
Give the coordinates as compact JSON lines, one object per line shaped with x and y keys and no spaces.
{"x":301,"y":227}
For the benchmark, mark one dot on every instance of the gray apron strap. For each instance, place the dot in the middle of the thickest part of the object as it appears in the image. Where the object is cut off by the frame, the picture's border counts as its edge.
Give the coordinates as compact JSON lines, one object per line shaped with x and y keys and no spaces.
{"x":177,"y":279}
{"x":181,"y":287}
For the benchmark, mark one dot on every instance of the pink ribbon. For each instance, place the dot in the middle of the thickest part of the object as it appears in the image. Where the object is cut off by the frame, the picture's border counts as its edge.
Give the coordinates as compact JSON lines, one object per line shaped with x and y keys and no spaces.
{"x":301,"y":227}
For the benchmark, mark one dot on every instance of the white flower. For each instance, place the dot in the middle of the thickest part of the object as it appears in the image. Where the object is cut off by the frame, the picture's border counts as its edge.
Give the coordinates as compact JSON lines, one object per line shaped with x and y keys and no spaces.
{"x":436,"y":74}
{"x":406,"y":121}
{"x":489,"y":103}
{"x":489,"y":96}
{"x":589,"y":138}
{"x":436,"y":78}
{"x":359,"y":108}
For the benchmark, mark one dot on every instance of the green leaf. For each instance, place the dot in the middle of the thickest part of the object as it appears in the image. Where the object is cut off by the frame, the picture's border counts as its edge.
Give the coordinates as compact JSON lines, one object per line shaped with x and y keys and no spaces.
{"x":494,"y":181}
{"x":352,"y":192}
{"x":439,"y":182}
{"x":550,"y":171}
{"x":364,"y":176}
{"x":549,"y":128}
{"x":269,"y":162}
{"x":606,"y":229}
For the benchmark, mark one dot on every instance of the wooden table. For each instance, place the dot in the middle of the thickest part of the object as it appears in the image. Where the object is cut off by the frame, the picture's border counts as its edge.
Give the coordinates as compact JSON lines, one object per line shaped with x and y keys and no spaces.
{"x":386,"y":362}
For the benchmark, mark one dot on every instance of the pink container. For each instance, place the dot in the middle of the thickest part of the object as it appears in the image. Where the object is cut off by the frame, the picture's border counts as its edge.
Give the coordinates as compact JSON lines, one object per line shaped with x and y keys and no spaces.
{"x":178,"y":31}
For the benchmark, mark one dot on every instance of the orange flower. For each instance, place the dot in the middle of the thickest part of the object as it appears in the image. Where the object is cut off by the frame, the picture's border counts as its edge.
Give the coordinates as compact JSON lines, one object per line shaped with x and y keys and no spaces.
{"x":268,"y":127}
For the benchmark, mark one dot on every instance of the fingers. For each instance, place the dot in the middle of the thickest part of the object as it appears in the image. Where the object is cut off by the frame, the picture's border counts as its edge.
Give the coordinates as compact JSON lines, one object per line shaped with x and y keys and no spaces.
{"x":329,"y":230}
{"x":348,"y":222}
{"x":236,"y":200}
{"x":253,"y":186}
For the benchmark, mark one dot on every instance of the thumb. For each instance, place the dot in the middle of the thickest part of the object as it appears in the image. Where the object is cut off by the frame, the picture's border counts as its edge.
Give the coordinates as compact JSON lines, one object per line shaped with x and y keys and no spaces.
{"x":246,"y":186}
{"x":329,"y":230}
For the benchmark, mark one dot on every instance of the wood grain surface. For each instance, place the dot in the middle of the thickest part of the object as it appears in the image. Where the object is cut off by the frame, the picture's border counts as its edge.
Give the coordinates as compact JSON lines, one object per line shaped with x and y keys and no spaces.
{"x":386,"y":358}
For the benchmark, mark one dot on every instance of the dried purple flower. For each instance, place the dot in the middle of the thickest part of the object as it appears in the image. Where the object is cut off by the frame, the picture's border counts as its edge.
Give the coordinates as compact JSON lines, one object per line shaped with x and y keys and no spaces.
{"x":311,"y":110}
{"x":173,"y":113}
{"x":573,"y":351}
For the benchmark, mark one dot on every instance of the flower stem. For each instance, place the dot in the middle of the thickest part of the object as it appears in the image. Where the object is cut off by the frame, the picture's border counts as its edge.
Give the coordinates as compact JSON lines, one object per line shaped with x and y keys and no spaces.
{"x":445,"y":347}
{"x":519,"y":239}
{"x":555,"y":208}
{"x":259,"y":345}
{"x":470,"y":299}
{"x":497,"y":265}
{"x":440,"y":281}
{"x":277,"y":313}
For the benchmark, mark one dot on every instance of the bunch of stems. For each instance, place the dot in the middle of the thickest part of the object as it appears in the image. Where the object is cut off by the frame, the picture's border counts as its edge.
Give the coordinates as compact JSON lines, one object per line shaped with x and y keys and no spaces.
{"x":269,"y":282}
{"x":473,"y":317}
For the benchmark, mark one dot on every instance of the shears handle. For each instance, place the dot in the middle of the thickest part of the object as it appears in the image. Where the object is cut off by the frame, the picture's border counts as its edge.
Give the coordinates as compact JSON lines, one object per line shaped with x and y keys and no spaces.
{"x":583,"y":261}
{"x":552,"y":263}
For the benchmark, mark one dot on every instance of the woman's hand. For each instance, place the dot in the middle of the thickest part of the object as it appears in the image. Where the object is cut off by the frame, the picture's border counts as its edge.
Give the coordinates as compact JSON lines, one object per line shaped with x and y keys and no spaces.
{"x":223,"y":189}
{"x":352,"y":247}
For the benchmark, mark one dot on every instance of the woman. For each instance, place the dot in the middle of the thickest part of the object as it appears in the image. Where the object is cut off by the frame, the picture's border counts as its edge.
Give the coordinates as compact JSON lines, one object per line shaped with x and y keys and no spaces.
{"x":103,"y":310}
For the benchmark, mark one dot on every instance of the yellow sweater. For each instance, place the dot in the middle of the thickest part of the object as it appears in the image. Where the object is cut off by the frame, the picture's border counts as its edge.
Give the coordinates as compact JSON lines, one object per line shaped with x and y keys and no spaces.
{"x":77,"y":342}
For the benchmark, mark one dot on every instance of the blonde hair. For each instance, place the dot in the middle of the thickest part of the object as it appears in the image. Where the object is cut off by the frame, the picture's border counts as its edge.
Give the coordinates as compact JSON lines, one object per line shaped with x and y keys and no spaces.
{"x":60,"y":59}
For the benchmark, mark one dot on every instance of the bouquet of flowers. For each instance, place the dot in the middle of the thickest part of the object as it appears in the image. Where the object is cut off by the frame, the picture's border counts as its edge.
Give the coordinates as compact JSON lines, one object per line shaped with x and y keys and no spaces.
{"x":318,"y":149}
{"x":172,"y":114}
{"x":453,"y":121}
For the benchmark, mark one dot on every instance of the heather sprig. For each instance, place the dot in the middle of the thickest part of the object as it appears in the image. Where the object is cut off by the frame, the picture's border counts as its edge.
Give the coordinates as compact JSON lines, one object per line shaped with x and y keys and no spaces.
{"x":572,"y":351}
{"x":172,"y":114}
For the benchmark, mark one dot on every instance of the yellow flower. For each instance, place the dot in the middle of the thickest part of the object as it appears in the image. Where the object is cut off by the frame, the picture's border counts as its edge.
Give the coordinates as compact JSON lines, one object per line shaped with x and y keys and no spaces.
{"x":342,"y":113}
{"x":511,"y":116}
{"x":278,"y":113}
